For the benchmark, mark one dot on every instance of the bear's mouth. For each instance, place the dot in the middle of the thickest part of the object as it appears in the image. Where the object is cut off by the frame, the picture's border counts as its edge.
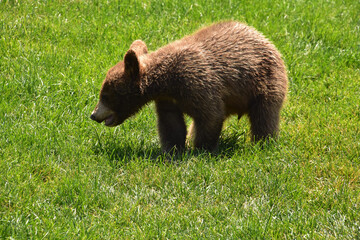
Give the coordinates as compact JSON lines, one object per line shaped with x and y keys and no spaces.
{"x":109,"y":121}
{"x":106,"y":115}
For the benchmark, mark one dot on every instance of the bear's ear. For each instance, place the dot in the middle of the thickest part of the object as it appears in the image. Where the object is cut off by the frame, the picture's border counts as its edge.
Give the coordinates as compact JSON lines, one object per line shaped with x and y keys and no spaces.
{"x":132,"y":65}
{"x":139,"y":47}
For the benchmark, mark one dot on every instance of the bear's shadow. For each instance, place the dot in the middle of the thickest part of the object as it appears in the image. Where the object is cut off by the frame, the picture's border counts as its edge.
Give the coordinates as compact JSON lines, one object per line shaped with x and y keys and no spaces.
{"x":227,"y":147}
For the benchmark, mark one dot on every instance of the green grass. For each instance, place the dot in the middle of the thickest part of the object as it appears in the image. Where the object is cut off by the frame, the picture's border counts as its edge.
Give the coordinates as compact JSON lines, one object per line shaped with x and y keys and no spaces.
{"x":63,"y":176}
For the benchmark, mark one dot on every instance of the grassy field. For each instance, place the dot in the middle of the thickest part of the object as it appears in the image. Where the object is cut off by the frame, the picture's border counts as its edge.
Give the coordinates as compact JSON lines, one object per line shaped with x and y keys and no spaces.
{"x":64,"y":176}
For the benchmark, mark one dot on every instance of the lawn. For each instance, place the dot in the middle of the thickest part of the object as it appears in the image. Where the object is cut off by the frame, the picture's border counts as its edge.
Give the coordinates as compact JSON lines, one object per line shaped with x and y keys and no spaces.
{"x":64,"y":176}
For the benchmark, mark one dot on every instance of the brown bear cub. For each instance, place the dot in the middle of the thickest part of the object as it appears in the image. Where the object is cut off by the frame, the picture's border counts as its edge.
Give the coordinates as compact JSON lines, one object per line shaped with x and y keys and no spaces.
{"x":227,"y":68}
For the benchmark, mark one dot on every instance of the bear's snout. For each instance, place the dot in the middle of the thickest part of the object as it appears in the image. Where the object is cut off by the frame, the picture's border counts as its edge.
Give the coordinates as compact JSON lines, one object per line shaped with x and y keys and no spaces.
{"x":104,"y":114}
{"x":93,"y":117}
{"x":101,"y":112}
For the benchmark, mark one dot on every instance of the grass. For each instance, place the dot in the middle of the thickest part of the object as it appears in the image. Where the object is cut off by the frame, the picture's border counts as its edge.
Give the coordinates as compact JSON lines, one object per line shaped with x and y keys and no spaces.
{"x":64,"y":176}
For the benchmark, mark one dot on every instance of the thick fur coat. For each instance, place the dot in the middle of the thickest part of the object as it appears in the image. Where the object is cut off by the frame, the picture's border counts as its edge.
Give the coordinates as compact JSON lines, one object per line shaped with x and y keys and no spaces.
{"x":227,"y":68}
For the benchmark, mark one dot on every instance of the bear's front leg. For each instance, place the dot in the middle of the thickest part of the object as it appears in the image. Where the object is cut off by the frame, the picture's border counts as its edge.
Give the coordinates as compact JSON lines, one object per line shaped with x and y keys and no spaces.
{"x":171,"y":126}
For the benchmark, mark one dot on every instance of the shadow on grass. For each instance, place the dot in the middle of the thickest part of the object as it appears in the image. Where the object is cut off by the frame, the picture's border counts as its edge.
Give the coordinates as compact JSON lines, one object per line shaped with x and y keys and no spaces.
{"x":125,"y":152}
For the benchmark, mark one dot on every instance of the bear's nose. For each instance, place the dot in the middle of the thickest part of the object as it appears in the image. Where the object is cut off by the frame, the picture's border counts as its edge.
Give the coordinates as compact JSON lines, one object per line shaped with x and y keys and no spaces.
{"x":93,"y":117}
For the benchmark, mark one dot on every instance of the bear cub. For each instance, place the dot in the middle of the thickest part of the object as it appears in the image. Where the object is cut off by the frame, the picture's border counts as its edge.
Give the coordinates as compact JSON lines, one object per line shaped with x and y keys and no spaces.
{"x":224,"y":69}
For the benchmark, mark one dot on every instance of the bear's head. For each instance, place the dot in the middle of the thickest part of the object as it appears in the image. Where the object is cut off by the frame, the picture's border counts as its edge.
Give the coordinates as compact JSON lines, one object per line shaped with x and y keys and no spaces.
{"x":121,"y":94}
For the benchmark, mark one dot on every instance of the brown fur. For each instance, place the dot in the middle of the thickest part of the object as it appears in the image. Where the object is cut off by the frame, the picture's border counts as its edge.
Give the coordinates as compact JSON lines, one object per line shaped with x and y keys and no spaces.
{"x":227,"y":68}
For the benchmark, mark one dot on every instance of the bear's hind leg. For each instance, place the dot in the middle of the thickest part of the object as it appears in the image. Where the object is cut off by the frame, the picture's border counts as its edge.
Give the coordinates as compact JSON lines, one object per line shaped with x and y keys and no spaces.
{"x":264,"y":118}
{"x":206,"y":132}
{"x":171,"y":126}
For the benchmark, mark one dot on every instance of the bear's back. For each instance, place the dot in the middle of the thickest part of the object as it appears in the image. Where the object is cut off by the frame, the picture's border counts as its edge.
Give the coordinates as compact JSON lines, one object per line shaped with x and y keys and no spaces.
{"x":228,"y":37}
